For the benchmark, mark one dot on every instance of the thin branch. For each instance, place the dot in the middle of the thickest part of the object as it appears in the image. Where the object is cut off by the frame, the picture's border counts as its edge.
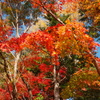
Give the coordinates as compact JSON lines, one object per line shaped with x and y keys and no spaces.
{"x":94,"y":61}
{"x":12,"y":54}
{"x":17,"y":32}
{"x":97,"y":28}
{"x":50,"y":12}
{"x":13,"y":25}
{"x":62,"y":79}
{"x":28,"y":27}
{"x":28,"y":87}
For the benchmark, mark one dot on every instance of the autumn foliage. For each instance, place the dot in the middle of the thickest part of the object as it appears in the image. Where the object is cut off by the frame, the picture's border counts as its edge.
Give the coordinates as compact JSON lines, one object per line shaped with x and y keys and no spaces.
{"x":91,"y":8}
{"x":81,"y":83}
{"x":57,"y":41}
{"x":36,"y":67}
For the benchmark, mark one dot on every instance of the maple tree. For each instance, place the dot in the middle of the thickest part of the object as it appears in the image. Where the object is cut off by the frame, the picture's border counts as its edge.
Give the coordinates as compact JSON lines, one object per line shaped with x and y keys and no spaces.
{"x":39,"y":66}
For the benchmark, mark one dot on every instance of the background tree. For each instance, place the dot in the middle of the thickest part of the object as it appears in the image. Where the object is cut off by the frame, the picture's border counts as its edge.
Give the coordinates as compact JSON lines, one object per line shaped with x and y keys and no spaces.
{"x":90,"y":11}
{"x":83,"y":85}
{"x":20,"y":14}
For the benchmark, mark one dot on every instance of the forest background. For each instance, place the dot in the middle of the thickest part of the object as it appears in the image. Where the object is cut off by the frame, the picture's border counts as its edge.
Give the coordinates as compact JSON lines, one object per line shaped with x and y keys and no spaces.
{"x":48,"y":49}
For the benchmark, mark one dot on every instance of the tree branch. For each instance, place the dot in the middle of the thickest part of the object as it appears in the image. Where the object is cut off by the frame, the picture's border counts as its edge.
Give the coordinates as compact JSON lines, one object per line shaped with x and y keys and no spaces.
{"x":49,"y":11}
{"x":95,"y":62}
{"x":28,"y":87}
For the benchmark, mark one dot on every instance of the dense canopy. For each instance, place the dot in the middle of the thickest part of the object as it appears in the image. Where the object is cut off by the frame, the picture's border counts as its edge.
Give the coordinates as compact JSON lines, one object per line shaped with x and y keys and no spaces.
{"x":55,"y":61}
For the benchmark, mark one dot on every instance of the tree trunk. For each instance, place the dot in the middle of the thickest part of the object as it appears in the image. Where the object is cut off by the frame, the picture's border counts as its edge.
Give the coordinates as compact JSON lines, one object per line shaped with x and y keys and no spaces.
{"x":56,"y":85}
{"x":14,"y":92}
{"x":56,"y":91}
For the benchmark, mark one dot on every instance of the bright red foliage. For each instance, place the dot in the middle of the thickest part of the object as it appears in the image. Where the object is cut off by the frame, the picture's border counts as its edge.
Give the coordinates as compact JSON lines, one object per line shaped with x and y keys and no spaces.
{"x":5,"y":32}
